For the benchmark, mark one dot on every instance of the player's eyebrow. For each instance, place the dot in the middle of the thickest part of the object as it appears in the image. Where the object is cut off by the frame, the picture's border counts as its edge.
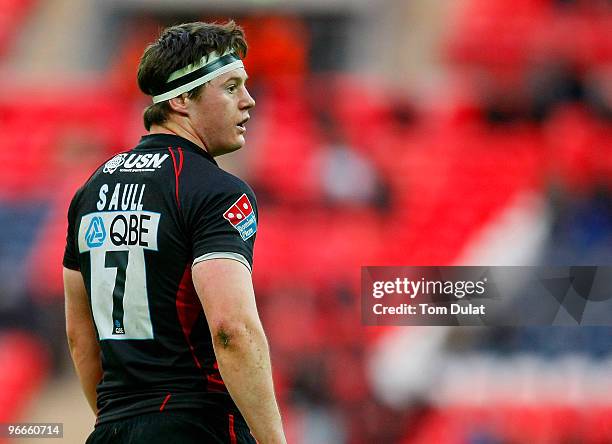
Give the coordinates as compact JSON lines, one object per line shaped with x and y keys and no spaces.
{"x":237,"y":79}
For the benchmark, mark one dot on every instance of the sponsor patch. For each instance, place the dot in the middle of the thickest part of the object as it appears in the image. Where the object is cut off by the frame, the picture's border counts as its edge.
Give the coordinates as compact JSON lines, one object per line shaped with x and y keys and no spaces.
{"x":112,"y":230}
{"x":135,"y":163}
{"x":242,"y":217}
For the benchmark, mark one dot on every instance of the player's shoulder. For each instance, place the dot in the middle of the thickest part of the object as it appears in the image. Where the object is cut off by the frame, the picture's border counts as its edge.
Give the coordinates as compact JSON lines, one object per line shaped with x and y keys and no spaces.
{"x":103,"y":167}
{"x":202,"y":175}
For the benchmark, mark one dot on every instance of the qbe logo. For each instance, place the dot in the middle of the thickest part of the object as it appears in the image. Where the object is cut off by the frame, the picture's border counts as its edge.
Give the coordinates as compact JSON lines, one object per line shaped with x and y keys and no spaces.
{"x":96,"y":233}
{"x":107,"y":230}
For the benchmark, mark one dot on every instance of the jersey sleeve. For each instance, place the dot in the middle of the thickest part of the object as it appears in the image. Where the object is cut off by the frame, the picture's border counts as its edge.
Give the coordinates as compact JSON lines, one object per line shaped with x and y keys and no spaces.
{"x":223,"y":223}
{"x":71,"y":254}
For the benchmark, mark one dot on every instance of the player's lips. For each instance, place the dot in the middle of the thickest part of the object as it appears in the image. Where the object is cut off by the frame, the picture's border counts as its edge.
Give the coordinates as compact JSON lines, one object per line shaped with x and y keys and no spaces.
{"x":241,"y":126}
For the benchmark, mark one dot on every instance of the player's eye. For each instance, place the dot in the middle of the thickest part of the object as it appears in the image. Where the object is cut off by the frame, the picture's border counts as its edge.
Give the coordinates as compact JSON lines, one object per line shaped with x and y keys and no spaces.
{"x":232,"y":89}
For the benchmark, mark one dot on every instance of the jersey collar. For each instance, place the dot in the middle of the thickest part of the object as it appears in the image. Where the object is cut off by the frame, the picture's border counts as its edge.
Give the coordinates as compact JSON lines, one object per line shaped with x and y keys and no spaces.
{"x":157,"y":141}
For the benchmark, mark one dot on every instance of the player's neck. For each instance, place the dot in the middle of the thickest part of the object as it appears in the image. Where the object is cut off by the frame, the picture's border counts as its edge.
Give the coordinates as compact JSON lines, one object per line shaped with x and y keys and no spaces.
{"x":177,"y":130}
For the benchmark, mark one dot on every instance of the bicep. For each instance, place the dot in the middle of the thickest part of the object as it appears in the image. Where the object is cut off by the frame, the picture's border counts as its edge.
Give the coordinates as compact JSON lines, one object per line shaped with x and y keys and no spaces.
{"x":79,"y":322}
{"x":225,"y":289}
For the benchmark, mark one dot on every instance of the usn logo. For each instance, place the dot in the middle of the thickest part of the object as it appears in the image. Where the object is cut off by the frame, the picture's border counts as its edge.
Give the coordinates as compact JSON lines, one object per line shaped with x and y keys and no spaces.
{"x":242,"y":217}
{"x":135,"y":163}
{"x":96,"y":233}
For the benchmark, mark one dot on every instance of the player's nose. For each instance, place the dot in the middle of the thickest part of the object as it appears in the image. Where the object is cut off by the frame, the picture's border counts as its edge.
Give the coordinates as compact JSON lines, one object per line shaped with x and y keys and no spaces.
{"x":249,"y":101}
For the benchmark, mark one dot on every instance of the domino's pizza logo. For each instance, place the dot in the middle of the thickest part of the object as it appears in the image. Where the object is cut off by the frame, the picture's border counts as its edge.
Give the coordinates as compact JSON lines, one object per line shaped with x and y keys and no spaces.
{"x":242,"y":217}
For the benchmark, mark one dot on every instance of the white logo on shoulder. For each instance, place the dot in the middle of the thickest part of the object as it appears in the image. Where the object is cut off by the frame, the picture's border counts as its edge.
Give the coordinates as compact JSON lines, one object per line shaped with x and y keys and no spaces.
{"x":135,"y":163}
{"x":114,"y":163}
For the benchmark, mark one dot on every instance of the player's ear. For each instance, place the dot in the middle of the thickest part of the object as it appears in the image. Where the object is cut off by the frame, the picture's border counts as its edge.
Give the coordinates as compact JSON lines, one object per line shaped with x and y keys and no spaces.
{"x":179,"y":104}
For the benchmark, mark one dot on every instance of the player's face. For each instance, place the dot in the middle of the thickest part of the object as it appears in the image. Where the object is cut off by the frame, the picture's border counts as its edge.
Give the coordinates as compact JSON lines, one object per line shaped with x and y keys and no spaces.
{"x":219,"y":115}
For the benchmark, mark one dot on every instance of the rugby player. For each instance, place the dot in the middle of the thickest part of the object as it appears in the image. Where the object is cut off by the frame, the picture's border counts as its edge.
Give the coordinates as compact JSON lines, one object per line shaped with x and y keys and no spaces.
{"x":161,"y":318}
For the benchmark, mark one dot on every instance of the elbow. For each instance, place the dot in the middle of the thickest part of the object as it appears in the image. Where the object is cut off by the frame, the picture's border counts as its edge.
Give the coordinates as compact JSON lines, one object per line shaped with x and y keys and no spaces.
{"x":225,"y":336}
{"x":236,"y":335}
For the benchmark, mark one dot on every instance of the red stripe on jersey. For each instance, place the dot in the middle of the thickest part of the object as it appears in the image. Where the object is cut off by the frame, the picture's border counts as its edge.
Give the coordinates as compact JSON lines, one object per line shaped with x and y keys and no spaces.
{"x":161,"y":409}
{"x":176,"y":175}
{"x":215,"y":383}
{"x":232,"y":433}
{"x":188,"y":308}
{"x":180,"y":168}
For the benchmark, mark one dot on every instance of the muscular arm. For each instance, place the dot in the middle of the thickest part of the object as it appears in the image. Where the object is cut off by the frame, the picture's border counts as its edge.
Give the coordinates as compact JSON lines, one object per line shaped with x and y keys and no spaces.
{"x":226,"y":291}
{"x":82,"y":342}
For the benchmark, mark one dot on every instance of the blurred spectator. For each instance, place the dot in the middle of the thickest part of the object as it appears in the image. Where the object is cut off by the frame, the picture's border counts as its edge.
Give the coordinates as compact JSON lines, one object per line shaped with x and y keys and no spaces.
{"x":348,"y":177}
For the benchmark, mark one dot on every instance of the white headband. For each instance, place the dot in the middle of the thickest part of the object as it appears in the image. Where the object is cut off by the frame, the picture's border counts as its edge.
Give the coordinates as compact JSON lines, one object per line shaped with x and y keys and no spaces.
{"x":196,"y":74}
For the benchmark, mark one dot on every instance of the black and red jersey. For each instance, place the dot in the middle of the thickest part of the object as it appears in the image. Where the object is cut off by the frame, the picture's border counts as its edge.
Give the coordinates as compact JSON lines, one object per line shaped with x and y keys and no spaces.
{"x":135,"y":229}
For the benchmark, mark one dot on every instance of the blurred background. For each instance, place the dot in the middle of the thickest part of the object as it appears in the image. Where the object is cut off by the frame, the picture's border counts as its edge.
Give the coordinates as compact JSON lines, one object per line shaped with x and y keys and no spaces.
{"x":386,"y":132}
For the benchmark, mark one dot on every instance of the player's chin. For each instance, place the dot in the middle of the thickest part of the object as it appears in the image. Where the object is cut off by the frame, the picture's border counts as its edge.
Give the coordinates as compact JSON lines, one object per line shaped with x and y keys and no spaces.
{"x":240,"y":141}
{"x":235,"y":146}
